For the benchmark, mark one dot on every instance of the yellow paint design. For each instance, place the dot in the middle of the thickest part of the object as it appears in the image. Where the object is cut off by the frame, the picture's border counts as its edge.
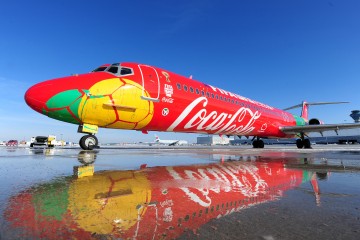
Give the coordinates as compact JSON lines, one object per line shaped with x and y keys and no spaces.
{"x":84,"y":171}
{"x":88,"y":128}
{"x":100,"y":202}
{"x":96,"y":110}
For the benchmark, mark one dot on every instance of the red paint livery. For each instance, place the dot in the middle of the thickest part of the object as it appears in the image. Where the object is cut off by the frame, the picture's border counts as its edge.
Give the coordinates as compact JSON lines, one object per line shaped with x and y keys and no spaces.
{"x":146,"y":98}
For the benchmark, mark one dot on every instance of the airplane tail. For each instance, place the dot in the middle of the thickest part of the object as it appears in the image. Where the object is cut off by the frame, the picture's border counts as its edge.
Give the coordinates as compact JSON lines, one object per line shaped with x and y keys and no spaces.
{"x":305,"y":107}
{"x":304,"y":111}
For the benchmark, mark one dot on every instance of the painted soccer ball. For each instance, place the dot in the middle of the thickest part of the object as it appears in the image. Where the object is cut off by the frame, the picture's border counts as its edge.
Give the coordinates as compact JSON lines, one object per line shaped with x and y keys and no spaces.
{"x":116,"y":103}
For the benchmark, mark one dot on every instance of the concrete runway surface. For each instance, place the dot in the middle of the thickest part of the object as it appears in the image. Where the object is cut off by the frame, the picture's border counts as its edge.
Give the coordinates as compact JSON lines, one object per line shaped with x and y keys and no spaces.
{"x":196,"y":192}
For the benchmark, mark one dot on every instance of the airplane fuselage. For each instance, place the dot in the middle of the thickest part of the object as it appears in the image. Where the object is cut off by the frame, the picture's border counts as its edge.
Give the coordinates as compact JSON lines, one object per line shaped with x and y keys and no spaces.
{"x":146,"y":98}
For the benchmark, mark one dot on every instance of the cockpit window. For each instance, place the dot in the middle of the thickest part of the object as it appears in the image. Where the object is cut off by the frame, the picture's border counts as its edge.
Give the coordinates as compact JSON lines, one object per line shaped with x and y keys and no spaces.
{"x":114,"y":69}
{"x":125,"y":71}
{"x":99,"y":69}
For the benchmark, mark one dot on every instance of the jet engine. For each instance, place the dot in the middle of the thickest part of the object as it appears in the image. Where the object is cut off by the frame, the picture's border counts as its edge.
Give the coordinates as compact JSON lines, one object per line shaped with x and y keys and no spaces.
{"x":315,"y":121}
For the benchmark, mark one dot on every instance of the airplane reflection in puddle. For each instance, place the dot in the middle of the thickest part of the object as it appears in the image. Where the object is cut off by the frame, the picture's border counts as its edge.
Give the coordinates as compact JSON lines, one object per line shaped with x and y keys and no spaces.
{"x":150,"y":203}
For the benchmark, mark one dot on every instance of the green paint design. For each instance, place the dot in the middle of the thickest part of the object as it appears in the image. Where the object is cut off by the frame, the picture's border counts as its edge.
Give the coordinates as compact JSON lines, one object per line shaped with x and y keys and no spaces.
{"x":63,"y":115}
{"x":96,"y":96}
{"x":306,"y":176}
{"x":63,"y":99}
{"x":75,"y":106}
{"x":52,"y":199}
{"x":299,"y":120}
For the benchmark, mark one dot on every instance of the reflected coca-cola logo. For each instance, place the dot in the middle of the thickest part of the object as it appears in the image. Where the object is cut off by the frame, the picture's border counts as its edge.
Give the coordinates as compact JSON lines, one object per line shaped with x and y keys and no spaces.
{"x":210,"y":182}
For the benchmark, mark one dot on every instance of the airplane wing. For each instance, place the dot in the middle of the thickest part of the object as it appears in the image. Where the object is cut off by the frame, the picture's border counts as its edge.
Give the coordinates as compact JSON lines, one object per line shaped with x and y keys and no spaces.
{"x":318,"y":128}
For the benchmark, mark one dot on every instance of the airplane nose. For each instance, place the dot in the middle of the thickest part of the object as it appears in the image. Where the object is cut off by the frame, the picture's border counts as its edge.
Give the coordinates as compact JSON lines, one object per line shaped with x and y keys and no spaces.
{"x":36,"y":97}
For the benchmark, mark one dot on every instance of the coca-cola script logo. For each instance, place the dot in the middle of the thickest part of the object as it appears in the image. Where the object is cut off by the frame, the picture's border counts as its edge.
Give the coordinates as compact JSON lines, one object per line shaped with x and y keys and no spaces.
{"x":202,"y":120}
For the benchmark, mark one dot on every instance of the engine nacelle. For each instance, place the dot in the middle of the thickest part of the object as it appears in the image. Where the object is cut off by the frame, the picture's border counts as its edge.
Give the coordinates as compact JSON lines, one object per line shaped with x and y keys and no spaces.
{"x":315,"y":121}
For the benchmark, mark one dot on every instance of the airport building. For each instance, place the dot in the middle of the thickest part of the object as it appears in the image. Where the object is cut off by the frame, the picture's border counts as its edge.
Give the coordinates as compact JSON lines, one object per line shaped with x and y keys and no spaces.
{"x":214,"y":140}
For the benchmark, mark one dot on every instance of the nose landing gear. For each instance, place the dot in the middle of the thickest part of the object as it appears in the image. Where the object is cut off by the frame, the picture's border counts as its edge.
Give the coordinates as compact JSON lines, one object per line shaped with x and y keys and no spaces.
{"x":88,"y":142}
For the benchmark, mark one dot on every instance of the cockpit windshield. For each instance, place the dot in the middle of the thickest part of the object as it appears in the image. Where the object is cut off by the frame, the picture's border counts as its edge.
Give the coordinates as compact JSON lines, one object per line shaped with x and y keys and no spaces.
{"x":115,"y":69}
{"x":101,"y":68}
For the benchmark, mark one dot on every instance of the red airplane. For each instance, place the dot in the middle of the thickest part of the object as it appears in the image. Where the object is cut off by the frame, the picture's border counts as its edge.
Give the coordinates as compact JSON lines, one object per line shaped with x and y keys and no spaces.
{"x":145,"y":98}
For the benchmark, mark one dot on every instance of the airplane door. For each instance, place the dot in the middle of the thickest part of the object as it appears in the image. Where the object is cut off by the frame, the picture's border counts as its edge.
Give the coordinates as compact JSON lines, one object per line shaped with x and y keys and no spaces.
{"x":150,"y":82}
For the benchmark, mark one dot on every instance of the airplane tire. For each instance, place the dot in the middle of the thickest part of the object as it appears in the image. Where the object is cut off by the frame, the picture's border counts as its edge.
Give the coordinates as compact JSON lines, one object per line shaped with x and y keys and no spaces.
{"x":307,"y":143}
{"x":258,"y":144}
{"x":88,"y":142}
{"x":299,"y":143}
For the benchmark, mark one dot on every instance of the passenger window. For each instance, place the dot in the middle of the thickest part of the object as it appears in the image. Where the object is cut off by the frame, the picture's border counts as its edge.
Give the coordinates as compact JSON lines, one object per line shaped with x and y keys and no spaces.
{"x":197,"y":91}
{"x":178,"y":86}
{"x":185,"y":88}
{"x":191,"y":90}
{"x":216,"y":96}
{"x":221,"y":98}
{"x":212,"y":95}
{"x":208,"y":94}
{"x":202,"y":93}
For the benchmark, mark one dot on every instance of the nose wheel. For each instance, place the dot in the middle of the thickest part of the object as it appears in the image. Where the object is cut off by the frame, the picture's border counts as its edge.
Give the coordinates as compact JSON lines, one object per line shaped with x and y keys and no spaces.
{"x":88,"y":142}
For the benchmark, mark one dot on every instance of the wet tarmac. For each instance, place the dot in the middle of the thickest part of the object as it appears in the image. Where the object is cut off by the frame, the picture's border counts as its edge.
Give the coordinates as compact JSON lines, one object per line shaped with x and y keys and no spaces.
{"x":180,"y":193}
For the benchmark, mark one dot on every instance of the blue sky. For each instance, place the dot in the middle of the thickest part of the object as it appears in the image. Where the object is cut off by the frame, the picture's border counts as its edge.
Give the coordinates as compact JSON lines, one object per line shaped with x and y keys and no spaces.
{"x":279,"y":52}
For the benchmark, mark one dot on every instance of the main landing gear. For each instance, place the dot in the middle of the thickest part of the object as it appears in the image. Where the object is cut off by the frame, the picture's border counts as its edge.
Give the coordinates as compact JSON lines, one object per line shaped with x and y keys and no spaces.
{"x":258,"y":143}
{"x":88,"y":142}
{"x":303,"y":142}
